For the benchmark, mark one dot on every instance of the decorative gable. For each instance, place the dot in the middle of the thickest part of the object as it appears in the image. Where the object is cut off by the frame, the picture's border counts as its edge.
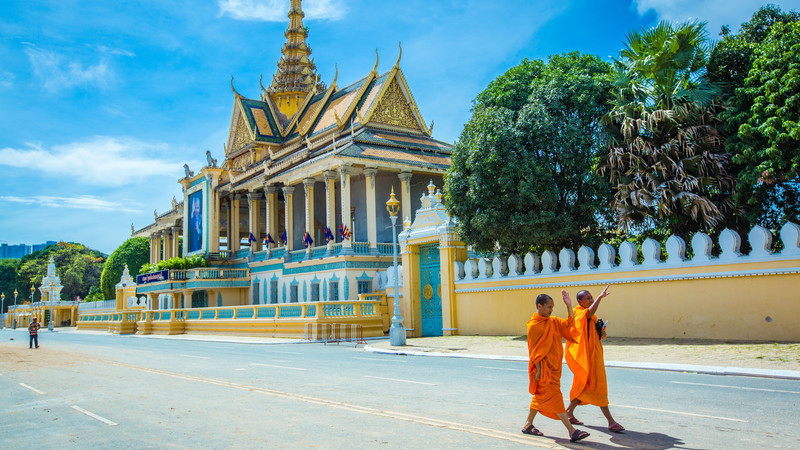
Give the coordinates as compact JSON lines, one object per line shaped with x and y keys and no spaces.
{"x":394,"y":109}
{"x":240,"y":135}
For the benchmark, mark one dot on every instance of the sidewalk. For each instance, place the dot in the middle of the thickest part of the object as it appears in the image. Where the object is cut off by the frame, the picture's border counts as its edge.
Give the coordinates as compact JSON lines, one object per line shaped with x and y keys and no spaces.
{"x":759,"y":359}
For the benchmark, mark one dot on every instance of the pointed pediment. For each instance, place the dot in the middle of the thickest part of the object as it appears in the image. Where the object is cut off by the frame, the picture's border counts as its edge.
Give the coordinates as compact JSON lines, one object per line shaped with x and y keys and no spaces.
{"x":240,"y":134}
{"x":395,"y":107}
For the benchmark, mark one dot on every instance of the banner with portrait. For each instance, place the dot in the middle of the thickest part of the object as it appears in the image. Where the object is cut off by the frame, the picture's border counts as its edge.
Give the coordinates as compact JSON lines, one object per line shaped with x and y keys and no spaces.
{"x":196,"y":221}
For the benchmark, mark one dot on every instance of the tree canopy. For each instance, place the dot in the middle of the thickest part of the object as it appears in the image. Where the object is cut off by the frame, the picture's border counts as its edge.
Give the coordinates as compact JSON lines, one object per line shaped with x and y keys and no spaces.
{"x":8,"y":280}
{"x":666,"y":161}
{"x":522,"y":171}
{"x":134,"y":252}
{"x":78,"y":267}
{"x":759,"y":70}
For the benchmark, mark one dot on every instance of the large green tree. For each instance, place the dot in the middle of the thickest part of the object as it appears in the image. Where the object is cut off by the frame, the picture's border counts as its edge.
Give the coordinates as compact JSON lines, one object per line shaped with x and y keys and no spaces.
{"x":78,"y":267}
{"x":759,"y":69}
{"x":134,"y":252}
{"x":522,"y":173}
{"x":666,"y":160}
{"x":8,"y":280}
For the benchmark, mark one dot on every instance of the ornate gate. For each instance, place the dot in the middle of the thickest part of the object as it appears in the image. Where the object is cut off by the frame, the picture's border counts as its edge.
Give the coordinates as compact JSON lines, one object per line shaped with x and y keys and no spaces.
{"x":431,"y":290}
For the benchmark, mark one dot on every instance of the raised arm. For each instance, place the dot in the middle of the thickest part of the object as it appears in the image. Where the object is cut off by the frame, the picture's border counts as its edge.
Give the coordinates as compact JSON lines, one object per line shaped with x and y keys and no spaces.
{"x":596,"y":304}
{"x":568,"y":302}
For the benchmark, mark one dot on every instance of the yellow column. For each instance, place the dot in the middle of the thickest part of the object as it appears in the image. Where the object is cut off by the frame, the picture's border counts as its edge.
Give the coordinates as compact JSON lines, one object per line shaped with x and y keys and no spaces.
{"x":175,"y":234}
{"x":410,"y":303}
{"x":214,"y":218}
{"x":289,"y":211}
{"x":308,"y":185}
{"x":163,"y":237}
{"x":330,"y":203}
{"x":271,"y":197}
{"x":405,"y":195}
{"x":449,"y":251}
{"x":153,"y":248}
{"x":372,"y":226}
{"x":254,"y":207}
{"x":234,"y":225}
{"x":344,"y":174}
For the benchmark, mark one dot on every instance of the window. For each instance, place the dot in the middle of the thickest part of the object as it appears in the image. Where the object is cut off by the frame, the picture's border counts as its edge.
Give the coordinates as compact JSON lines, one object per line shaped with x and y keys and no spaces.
{"x":273,"y":288}
{"x":364,"y":286}
{"x":199,"y":299}
{"x":293,"y":293}
{"x":334,"y":294}
{"x":256,"y":286}
{"x":314,"y":292}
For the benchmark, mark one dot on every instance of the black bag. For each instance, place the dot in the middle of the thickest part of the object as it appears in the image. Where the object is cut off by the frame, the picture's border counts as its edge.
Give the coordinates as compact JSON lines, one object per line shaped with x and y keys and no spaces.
{"x":600,"y":325}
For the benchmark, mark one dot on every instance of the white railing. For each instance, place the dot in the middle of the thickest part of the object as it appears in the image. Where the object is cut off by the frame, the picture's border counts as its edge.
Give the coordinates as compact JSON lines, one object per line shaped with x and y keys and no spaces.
{"x":760,"y":240}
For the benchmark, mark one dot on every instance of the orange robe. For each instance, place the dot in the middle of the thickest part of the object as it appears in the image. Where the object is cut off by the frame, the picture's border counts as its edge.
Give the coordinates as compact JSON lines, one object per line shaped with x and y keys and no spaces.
{"x":584,"y":355}
{"x":544,"y":346}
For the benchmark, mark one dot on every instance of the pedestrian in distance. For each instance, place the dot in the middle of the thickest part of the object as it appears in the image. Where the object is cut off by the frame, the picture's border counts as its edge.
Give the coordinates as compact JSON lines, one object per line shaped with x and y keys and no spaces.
{"x":33,"y":330}
{"x":545,"y":352}
{"x":584,"y":355}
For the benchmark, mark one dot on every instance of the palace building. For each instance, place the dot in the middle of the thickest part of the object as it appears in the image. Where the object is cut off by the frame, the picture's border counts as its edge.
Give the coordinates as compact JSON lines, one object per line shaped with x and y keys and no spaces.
{"x":295,"y":213}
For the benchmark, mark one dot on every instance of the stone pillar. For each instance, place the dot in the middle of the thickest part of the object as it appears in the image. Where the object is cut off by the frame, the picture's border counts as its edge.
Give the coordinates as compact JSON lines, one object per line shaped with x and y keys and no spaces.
{"x":163,"y":239}
{"x":372,"y":219}
{"x":271,"y":199}
{"x":308,"y":185}
{"x":344,"y":174}
{"x":287,"y":200}
{"x":186,"y":298}
{"x":254,"y":208}
{"x":233,"y":226}
{"x":330,"y":202}
{"x":152,"y":249}
{"x":214,"y":220}
{"x":405,"y":195}
{"x":175,"y":236}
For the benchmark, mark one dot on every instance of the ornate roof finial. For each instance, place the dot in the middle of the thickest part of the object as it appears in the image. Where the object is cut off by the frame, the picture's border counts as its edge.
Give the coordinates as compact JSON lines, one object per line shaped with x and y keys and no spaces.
{"x":375,"y":67}
{"x":234,"y":89}
{"x":397,"y":64}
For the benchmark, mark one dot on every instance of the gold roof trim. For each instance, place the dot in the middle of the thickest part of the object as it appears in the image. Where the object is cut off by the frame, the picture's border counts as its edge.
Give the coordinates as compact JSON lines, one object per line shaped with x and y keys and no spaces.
{"x":396,"y":74}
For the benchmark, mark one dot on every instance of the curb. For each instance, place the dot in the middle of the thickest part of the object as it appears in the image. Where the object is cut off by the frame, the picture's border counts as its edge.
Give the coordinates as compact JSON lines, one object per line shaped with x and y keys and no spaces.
{"x":707,"y":370}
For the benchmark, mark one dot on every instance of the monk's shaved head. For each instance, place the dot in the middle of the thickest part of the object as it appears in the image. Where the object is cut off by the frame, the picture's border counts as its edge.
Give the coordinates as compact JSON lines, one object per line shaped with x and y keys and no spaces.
{"x":542,"y":299}
{"x":581,"y":294}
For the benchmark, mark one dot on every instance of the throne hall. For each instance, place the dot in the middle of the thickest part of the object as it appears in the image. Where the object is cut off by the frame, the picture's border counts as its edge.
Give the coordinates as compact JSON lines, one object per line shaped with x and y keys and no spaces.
{"x":295,"y":212}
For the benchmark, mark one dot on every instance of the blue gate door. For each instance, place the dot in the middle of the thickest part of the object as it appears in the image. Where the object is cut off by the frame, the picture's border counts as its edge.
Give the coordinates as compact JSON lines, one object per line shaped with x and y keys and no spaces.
{"x":430,"y":290}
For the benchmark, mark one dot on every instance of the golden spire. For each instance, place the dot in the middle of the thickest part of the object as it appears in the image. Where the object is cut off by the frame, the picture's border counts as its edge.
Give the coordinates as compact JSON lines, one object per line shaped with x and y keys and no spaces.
{"x":297,"y":74}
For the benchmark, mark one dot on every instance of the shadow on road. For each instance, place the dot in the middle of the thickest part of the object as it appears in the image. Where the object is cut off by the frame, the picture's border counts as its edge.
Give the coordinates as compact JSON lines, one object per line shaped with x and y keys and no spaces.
{"x":628,"y":439}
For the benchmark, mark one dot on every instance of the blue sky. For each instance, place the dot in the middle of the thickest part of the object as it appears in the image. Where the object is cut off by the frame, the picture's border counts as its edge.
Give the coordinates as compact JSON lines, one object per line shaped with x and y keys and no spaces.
{"x":101,"y":103}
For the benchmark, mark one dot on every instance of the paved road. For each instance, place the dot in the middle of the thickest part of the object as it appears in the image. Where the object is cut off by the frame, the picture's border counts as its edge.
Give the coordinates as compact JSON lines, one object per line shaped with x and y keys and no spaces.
{"x":98,"y":390}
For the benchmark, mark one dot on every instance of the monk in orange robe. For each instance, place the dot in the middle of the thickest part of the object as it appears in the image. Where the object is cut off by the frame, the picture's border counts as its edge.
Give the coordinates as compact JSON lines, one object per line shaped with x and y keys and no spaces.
{"x":544,"y":365}
{"x":584,"y":355}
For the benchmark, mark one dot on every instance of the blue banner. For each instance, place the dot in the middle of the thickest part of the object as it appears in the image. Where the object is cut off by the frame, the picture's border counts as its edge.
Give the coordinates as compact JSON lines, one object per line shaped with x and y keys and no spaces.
{"x":154,"y":277}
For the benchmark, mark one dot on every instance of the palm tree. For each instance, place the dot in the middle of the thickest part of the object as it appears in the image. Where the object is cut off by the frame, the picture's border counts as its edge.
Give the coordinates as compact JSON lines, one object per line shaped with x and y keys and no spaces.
{"x":666,"y":159}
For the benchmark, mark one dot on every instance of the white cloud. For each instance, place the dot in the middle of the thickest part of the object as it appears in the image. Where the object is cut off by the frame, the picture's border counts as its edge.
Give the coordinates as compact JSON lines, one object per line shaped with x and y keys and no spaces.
{"x":6,"y":80}
{"x":57,"y":73}
{"x":716,"y":12}
{"x":102,"y":161}
{"x":79,"y":202}
{"x":277,"y":10}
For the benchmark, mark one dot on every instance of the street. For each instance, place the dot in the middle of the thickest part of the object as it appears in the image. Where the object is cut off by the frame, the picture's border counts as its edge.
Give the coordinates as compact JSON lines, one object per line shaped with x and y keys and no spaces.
{"x":101,"y":391}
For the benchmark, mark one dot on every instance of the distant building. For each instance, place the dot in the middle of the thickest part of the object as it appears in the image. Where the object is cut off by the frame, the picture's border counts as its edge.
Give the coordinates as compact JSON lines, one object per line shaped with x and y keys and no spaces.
{"x":20,"y":250}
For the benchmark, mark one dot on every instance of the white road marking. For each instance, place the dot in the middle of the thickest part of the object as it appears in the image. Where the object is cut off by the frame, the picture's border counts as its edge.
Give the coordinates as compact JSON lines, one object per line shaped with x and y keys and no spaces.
{"x":736,"y":387}
{"x":285,"y":353}
{"x":500,"y":368}
{"x":402,"y":381}
{"x":277,"y":367}
{"x":680,"y":413}
{"x":32,"y":388}
{"x":193,"y":356}
{"x":396,"y":415}
{"x":380,"y":360}
{"x":94,"y":416}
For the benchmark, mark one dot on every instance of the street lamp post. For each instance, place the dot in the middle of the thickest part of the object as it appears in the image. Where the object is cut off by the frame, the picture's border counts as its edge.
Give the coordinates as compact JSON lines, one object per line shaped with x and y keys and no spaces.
{"x":14,"y":322}
{"x":33,"y":291}
{"x":2,"y":307}
{"x":397,"y":332}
